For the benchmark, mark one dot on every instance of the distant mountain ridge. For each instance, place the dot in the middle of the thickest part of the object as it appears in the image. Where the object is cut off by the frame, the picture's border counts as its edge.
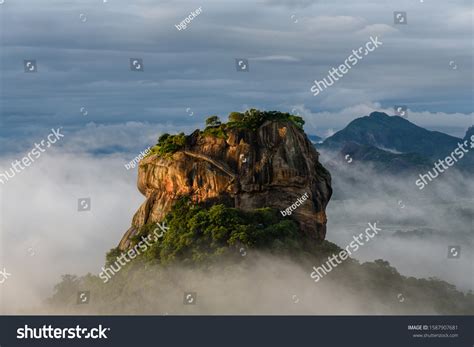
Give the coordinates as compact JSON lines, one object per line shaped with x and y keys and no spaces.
{"x":392,"y":143}
{"x":467,"y":163}
{"x":315,"y":139}
{"x":469,"y":133}
{"x":395,"y":133}
{"x":383,"y":160}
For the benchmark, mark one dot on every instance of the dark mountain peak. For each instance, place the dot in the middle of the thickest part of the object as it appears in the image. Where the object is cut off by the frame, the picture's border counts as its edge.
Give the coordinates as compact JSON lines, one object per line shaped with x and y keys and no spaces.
{"x":387,"y":119}
{"x":380,"y":115}
{"x":469,"y":133}
{"x":315,"y":139}
{"x":379,"y":119}
{"x":392,"y":133}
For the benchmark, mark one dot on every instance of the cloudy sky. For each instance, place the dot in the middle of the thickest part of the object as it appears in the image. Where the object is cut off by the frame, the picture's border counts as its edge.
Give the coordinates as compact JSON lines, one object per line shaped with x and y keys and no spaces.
{"x":83,"y":50}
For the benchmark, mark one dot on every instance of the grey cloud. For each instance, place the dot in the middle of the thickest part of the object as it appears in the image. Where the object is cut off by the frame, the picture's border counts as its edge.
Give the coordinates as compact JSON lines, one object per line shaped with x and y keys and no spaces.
{"x":87,"y":64}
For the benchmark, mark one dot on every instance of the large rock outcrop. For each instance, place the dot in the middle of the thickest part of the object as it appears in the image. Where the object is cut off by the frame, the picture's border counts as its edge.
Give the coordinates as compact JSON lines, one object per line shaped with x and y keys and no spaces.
{"x":270,"y":167}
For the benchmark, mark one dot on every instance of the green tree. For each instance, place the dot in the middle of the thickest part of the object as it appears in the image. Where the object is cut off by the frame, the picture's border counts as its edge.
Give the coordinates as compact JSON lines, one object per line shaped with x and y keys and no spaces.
{"x":66,"y":290}
{"x":236,"y":117}
{"x":162,"y":138}
{"x":297,"y":120}
{"x":253,"y":118}
{"x":213,"y":121}
{"x":112,"y":256}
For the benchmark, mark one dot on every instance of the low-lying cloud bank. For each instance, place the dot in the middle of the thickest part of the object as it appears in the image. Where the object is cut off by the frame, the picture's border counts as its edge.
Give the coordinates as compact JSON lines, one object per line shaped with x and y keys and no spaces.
{"x":43,"y":235}
{"x":419,"y":226}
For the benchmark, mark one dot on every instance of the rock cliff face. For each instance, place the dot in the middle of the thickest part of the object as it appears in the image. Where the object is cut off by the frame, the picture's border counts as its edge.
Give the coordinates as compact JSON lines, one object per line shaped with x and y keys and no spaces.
{"x":270,"y":167}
